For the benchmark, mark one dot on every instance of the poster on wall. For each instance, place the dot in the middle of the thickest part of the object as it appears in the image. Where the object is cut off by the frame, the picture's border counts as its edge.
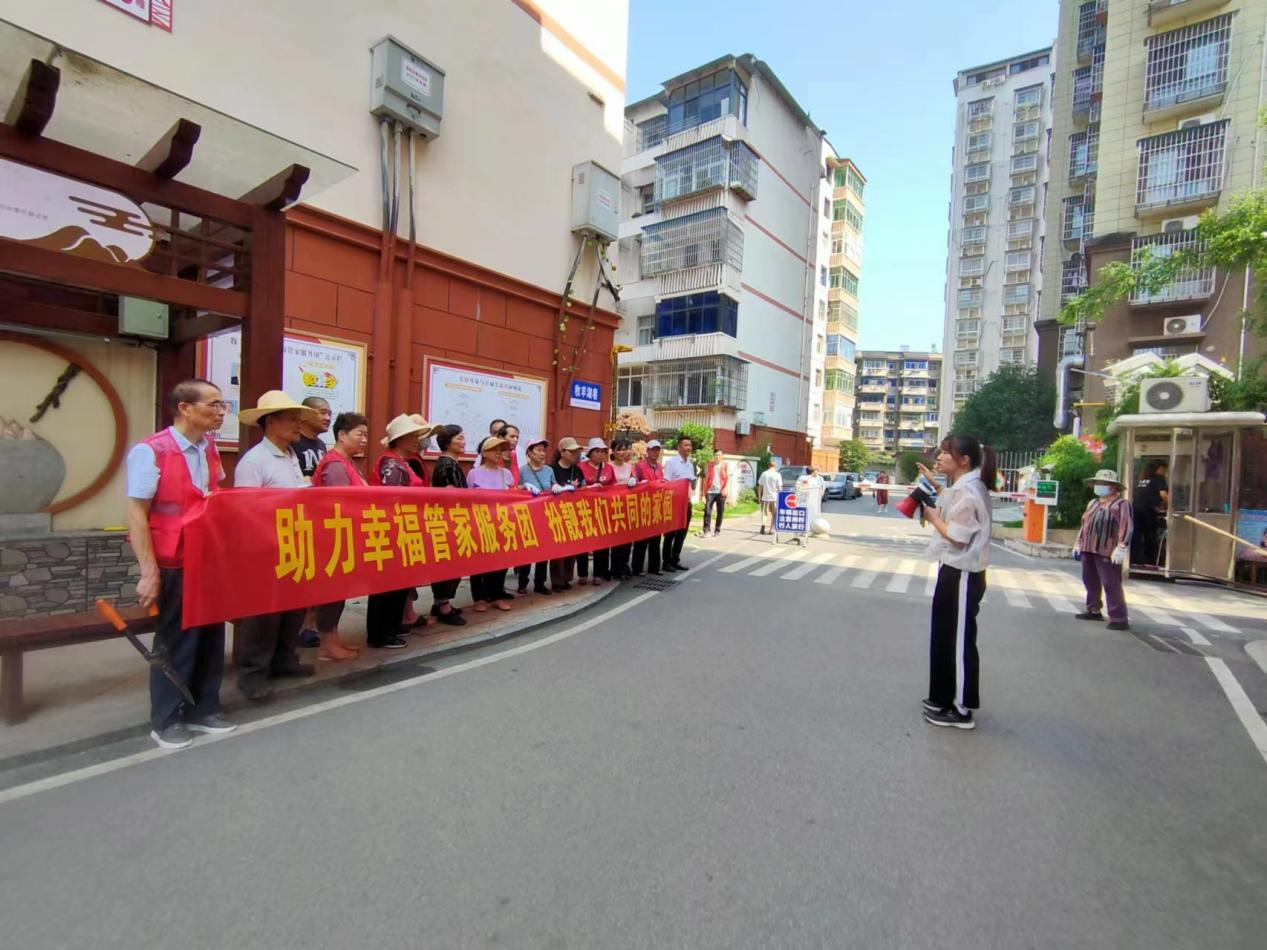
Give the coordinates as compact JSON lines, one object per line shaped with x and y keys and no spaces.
{"x":1251,"y":526}
{"x":311,"y":366}
{"x":472,"y":397}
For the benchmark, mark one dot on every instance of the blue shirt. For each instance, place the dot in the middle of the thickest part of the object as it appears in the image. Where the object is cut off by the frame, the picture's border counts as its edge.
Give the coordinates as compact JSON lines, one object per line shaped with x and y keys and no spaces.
{"x":542,"y":478}
{"x":142,"y":466}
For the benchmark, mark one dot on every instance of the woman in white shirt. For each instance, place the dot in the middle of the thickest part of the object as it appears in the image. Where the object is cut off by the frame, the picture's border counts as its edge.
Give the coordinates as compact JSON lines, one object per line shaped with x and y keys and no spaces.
{"x":961,"y":546}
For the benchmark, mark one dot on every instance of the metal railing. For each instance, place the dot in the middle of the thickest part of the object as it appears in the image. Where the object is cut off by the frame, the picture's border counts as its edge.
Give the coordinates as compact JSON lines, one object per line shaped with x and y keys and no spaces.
{"x":1192,"y":283}
{"x":1073,"y":279}
{"x":1084,"y":149}
{"x":1188,"y":63}
{"x":1183,"y":166}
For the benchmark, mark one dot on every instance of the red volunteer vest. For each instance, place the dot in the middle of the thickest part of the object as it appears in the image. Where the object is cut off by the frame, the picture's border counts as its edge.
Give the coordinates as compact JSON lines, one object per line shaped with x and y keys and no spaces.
{"x":598,"y":475}
{"x":175,"y":496}
{"x":647,"y":472}
{"x":331,"y":459}
{"x":376,"y":477}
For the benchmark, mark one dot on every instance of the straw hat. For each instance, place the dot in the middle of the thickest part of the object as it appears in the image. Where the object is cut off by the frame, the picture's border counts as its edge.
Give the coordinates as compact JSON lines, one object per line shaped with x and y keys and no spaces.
{"x":429,"y":428}
{"x":1105,"y":476}
{"x":404,"y":425}
{"x":569,"y":444}
{"x":594,"y":444}
{"x":490,"y":443}
{"x":276,"y":401}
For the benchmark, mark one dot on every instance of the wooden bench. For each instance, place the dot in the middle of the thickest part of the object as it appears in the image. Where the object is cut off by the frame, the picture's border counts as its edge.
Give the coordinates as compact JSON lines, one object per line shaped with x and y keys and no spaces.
{"x":18,"y":637}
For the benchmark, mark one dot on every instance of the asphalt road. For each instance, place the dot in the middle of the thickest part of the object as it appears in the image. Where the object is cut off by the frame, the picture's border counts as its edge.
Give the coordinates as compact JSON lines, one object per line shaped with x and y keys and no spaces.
{"x":736,"y":761}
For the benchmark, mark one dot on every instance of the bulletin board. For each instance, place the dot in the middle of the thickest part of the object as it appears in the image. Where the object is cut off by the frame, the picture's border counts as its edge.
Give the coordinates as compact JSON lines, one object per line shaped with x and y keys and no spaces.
{"x":472,"y":396}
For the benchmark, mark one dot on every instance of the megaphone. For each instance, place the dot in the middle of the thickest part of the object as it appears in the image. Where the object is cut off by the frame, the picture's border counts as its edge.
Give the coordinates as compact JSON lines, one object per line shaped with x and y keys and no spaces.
{"x":924,"y":493}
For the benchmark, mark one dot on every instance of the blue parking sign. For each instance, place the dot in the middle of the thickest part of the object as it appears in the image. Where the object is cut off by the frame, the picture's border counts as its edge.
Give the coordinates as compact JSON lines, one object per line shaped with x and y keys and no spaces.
{"x":788,"y":517}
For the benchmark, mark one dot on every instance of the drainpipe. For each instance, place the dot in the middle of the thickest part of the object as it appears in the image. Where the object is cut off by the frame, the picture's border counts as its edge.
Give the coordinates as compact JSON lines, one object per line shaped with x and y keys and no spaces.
{"x":1062,"y":388}
{"x":1258,"y":164}
{"x":806,"y":310}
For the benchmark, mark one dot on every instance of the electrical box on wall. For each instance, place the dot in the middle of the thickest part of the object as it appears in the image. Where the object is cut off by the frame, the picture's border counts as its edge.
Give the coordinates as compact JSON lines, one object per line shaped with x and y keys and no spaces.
{"x":407,"y":88}
{"x":595,"y":201}
{"x":139,"y":317}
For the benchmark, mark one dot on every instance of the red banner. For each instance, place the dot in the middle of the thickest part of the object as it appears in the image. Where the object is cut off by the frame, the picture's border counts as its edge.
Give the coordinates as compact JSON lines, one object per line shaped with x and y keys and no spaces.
{"x":256,"y":550}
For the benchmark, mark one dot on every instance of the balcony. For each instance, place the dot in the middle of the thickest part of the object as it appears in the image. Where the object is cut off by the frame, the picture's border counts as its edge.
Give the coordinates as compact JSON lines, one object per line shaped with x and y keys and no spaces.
{"x":1088,"y":86}
{"x":1073,"y":279}
{"x":1163,"y":12}
{"x":1187,"y":69}
{"x":1091,"y":28}
{"x":1193,"y":283}
{"x":1079,"y":218}
{"x":1084,"y":148}
{"x":707,"y":381}
{"x":1181,"y":171}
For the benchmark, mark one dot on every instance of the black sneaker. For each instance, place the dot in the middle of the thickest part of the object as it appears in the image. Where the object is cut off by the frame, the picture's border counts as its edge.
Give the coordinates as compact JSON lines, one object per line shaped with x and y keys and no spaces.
{"x":1119,"y":625}
{"x":950,"y":717}
{"x":395,"y":643}
{"x":1090,"y":615}
{"x":214,"y":725}
{"x":679,"y":566}
{"x":175,"y":736}
{"x":452,"y":619}
{"x":930,"y":706}
{"x":309,"y":638}
{"x":542,"y":589}
{"x":256,"y":692}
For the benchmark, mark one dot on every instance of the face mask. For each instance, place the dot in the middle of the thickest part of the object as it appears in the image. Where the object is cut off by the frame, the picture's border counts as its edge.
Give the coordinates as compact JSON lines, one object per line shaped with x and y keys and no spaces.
{"x":1102,"y":490}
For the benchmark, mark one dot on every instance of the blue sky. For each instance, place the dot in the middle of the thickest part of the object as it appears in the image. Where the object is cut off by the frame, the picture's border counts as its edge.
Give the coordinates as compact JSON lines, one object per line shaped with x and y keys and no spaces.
{"x":878,"y":78}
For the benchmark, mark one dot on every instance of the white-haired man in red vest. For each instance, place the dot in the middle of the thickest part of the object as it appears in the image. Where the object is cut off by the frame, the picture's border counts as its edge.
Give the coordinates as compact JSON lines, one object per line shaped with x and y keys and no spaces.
{"x":167,"y":474}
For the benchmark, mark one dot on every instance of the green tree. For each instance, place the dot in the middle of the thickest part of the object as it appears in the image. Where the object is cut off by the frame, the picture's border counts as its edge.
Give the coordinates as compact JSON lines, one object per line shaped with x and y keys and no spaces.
{"x":854,"y":456}
{"x":1126,"y":402}
{"x":908,"y":466}
{"x":701,"y":437}
{"x":764,"y":462}
{"x":1011,"y":412}
{"x":1070,"y":463}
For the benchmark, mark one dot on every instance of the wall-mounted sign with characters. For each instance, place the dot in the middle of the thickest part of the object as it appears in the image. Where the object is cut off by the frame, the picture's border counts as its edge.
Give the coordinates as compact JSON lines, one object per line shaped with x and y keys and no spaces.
{"x":62,"y":214}
{"x":586,"y":395}
{"x":311,"y":366}
{"x":154,"y":12}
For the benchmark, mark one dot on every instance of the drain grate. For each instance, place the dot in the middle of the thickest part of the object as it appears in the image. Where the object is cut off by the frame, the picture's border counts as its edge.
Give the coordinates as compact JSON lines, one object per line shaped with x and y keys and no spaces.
{"x":656,"y":583}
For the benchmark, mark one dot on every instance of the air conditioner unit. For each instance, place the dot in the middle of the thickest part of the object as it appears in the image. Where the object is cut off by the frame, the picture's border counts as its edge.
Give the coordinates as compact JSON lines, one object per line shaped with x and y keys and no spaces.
{"x":1179,"y":394}
{"x":1175,"y":225}
{"x":743,"y":427}
{"x":1181,"y":326}
{"x":1197,"y":120}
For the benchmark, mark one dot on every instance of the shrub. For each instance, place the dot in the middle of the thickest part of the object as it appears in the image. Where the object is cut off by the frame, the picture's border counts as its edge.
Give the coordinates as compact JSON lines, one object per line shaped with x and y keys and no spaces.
{"x":1070,"y":463}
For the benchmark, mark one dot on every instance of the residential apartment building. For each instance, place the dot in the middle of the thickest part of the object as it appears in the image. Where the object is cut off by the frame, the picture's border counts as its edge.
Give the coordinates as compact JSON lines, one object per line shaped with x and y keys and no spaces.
{"x":725,"y":256}
{"x":1156,"y":111}
{"x":998,"y":184}
{"x":899,"y":399}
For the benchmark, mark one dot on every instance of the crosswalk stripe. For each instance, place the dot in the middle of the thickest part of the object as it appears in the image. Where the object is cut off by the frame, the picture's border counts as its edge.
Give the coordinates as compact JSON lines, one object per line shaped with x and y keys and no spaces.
{"x":867,"y":577}
{"x":778,"y":562}
{"x":817,"y":561}
{"x":740,"y":565}
{"x":901,"y":580}
{"x":1015,"y":597}
{"x":1058,"y":604}
{"x":829,"y":576}
{"x":1160,"y":616}
{"x":1213,"y":623}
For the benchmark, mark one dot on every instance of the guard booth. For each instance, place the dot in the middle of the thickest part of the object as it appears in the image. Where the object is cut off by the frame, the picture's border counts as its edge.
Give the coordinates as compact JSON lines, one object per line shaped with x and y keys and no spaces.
{"x":1218,"y":491}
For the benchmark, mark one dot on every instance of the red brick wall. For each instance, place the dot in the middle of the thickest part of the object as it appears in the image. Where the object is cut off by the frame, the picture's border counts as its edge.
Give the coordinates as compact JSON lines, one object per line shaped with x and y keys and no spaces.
{"x":792,"y":446}
{"x":461,"y":312}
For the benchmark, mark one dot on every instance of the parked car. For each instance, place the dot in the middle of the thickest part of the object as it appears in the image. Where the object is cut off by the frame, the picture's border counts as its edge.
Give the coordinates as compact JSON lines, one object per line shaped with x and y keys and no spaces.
{"x":790,"y":474}
{"x":870,"y":476}
{"x":842,"y":485}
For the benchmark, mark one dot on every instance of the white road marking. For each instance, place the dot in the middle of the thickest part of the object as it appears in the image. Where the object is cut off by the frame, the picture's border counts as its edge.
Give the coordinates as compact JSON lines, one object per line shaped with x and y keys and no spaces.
{"x":808,"y":567}
{"x":867,"y":577}
{"x":901,"y":579}
{"x":742,"y":565}
{"x":830,"y":576}
{"x":1213,"y":623}
{"x":778,"y":562}
{"x":245,"y":729}
{"x":1016,"y":598}
{"x":1235,"y":694}
{"x":1159,"y":616}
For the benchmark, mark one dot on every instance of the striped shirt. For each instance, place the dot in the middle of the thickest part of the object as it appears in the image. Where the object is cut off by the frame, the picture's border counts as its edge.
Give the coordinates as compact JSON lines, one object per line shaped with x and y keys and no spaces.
{"x":1105,"y":525}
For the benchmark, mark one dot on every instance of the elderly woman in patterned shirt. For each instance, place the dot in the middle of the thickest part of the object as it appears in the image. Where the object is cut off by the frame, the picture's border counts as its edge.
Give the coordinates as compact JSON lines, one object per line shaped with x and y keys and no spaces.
{"x":1103,"y":546}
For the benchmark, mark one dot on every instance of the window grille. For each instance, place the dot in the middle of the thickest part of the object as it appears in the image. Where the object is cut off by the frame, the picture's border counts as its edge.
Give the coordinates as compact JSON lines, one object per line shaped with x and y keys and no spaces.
{"x":1084,"y":149}
{"x":706,"y":237}
{"x":1078,"y":218}
{"x":1188,"y":63}
{"x":1073,"y":279}
{"x":1192,"y":283}
{"x":707,"y":381}
{"x":1181,"y":166}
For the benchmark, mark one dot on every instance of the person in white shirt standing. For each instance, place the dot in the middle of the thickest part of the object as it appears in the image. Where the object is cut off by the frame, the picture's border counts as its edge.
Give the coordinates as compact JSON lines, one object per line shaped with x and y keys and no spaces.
{"x":679,"y":468}
{"x":961,"y":546}
{"x":264,"y":646}
{"x":770,"y":483}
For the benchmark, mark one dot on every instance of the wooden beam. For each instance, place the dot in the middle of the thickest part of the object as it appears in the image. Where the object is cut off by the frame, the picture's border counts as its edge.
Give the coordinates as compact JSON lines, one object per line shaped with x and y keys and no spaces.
{"x":51,"y":317}
{"x":186,"y":329}
{"x":262,"y":332}
{"x":138,"y":185}
{"x":32,"y":107}
{"x":280,"y":190}
{"x":72,"y":298}
{"x":119,"y":279}
{"x":170,"y":155}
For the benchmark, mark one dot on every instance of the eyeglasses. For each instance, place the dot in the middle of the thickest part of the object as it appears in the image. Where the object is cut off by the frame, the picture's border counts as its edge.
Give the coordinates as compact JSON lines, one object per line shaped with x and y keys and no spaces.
{"x":218,"y":405}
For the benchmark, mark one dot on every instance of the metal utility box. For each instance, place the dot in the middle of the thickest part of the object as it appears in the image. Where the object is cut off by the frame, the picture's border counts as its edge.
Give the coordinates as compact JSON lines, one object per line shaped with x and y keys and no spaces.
{"x":139,"y":317}
{"x":407,"y":88}
{"x":595,"y":201}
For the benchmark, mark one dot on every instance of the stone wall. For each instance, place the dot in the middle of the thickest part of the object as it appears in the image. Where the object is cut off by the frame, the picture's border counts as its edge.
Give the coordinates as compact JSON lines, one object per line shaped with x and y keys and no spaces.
{"x":65,"y":573}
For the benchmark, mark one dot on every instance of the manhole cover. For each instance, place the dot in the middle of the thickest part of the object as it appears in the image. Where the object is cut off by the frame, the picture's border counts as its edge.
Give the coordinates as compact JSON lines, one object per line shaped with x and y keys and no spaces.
{"x":656,"y":583}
